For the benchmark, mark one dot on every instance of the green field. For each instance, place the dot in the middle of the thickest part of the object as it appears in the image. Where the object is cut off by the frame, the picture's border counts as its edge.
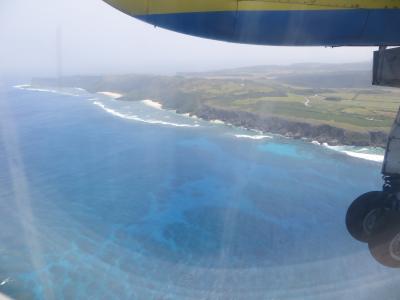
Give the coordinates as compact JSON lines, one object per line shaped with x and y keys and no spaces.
{"x":356,"y":109}
{"x":336,"y":95}
{"x":350,"y":109}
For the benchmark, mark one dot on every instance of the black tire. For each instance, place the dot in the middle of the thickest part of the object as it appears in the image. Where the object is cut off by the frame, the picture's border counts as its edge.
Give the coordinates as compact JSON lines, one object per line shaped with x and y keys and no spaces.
{"x":358,"y":211}
{"x":385,"y":247}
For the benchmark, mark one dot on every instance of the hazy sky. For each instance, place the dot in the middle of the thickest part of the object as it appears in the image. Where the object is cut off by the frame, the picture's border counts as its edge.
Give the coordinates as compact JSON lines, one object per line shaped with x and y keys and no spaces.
{"x":100,"y":39}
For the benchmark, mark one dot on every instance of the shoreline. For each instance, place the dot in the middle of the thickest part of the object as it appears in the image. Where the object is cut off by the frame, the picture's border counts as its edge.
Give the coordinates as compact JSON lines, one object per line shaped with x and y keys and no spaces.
{"x":303,"y":111}
{"x":334,"y":136}
{"x":216,"y":119}
{"x":262,"y":135}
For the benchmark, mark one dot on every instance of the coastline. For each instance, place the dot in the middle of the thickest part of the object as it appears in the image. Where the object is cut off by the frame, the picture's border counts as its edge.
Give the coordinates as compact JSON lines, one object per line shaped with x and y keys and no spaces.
{"x":203,"y":175}
{"x":292,"y":129}
{"x":196,"y":98}
{"x":349,"y":150}
{"x":253,"y":123}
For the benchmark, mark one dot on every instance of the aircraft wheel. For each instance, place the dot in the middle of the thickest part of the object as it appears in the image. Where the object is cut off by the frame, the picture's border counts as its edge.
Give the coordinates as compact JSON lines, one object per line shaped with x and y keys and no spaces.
{"x":364,"y":216}
{"x":385,"y":247}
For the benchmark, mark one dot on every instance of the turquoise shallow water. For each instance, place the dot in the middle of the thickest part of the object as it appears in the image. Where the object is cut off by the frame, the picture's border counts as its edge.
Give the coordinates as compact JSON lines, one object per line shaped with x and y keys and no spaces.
{"x":103,"y":199}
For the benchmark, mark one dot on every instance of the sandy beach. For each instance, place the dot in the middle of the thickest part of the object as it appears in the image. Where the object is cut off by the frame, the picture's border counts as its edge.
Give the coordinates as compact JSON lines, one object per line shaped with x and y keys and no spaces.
{"x":111,"y":94}
{"x":152,"y":103}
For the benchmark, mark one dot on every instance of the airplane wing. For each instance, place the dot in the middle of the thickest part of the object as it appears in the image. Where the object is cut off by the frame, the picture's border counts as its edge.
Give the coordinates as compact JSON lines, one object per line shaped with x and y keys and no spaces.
{"x":316,"y":4}
{"x":275,"y":22}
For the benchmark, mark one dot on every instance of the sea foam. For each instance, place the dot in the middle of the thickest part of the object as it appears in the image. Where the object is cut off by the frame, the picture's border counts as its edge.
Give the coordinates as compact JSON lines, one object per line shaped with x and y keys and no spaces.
{"x":29,"y":87}
{"x":136,"y":118}
{"x":152,"y":104}
{"x":253,"y":137}
{"x":5,"y":281}
{"x":217,"y":122}
{"x":372,"y":157}
{"x":362,"y":153}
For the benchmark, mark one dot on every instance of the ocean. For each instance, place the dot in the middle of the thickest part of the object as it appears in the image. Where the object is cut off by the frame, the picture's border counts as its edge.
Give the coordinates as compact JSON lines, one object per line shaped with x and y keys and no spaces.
{"x":106,"y":199}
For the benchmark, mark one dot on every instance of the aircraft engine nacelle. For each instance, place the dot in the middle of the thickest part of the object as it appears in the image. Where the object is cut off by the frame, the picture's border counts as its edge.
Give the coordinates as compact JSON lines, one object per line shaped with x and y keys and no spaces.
{"x":387,"y":67}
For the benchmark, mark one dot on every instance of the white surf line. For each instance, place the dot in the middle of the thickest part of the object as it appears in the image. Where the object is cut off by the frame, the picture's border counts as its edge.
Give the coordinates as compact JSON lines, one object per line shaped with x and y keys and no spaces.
{"x":111,"y":94}
{"x":136,"y":118}
{"x":253,"y":137}
{"x":5,"y":281}
{"x":28,"y":87}
{"x":355,"y":153}
{"x":372,"y":157}
{"x":21,"y":86}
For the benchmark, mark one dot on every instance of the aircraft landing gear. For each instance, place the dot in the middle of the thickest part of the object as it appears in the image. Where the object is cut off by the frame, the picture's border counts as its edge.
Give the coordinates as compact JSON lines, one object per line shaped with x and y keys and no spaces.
{"x":385,"y":246}
{"x":365,"y":216}
{"x":374,"y":217}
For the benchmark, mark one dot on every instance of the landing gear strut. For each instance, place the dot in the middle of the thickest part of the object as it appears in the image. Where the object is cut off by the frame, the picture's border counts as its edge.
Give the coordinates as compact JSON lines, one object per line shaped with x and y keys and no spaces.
{"x":374,"y":217}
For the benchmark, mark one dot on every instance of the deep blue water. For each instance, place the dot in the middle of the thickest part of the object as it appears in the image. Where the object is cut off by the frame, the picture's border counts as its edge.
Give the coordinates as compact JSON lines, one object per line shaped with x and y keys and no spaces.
{"x":96,"y":206}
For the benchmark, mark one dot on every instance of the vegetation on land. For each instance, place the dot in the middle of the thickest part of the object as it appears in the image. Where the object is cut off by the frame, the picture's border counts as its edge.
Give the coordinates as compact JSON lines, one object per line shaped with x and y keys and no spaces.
{"x":339,"y":96}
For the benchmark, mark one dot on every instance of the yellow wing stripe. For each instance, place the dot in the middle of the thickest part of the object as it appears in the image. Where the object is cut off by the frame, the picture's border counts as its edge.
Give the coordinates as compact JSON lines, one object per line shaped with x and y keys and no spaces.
{"x":142,"y":7}
{"x":181,"y":6}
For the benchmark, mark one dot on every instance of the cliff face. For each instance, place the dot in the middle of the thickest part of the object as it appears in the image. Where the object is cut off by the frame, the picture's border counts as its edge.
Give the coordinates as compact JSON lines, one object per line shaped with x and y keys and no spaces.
{"x":251,"y":99}
{"x":321,"y":133}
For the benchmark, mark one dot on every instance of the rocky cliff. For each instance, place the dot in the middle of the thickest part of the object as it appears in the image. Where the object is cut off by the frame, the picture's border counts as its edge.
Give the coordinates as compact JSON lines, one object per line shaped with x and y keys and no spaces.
{"x":321,"y":133}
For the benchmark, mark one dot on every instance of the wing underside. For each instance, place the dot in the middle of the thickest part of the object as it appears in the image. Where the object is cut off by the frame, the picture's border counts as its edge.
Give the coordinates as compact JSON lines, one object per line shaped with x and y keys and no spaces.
{"x":321,"y":4}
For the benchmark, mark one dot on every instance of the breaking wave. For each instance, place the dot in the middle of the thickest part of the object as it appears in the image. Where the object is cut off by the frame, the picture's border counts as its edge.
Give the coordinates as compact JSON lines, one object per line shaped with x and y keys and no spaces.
{"x":139,"y":119}
{"x":253,"y":137}
{"x":217,"y":122}
{"x":371,"y":154}
{"x":75,"y":92}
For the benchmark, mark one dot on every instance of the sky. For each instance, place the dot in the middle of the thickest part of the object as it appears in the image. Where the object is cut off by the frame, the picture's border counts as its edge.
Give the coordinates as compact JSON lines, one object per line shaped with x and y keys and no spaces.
{"x":98,"y":39}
